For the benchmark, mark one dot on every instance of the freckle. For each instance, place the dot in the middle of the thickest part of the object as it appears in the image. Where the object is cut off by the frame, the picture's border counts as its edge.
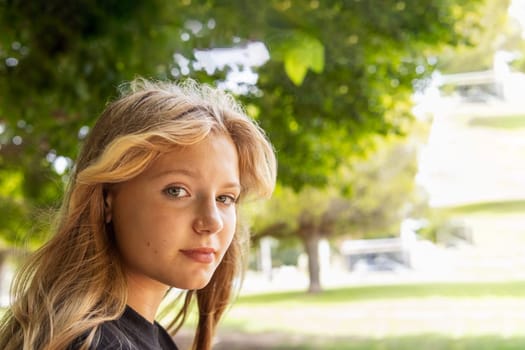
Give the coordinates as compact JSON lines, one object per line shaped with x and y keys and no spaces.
{"x":148,"y":243}
{"x":155,"y":251}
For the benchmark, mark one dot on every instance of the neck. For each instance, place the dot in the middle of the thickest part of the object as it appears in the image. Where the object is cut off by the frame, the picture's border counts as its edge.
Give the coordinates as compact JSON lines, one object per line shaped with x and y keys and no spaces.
{"x":145,"y":295}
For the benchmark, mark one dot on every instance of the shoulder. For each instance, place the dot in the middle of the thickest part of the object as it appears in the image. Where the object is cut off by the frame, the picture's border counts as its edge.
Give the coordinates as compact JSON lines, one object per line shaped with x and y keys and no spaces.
{"x":110,"y":337}
{"x":165,"y":339}
{"x":107,"y":337}
{"x":130,"y":332}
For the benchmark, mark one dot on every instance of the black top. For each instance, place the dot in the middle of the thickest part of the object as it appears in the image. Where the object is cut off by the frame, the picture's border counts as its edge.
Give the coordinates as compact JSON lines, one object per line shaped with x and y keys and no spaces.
{"x":132,"y":332}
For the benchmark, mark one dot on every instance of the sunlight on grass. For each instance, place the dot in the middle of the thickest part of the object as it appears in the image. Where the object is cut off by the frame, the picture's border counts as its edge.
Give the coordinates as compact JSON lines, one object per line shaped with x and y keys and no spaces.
{"x":389,"y":292}
{"x":413,"y":316}
{"x":423,"y":342}
{"x":499,"y":122}
{"x":495,"y":207}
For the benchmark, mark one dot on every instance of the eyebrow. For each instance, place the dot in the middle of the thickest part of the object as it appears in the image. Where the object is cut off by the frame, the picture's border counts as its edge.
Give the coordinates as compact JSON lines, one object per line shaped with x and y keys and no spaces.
{"x":191,"y":173}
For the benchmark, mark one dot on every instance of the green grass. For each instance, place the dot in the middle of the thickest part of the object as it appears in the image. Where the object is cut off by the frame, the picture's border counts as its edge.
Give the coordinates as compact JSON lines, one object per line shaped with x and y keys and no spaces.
{"x":419,"y":342}
{"x":494,"y":207}
{"x":499,"y":122}
{"x":390,"y":292}
{"x":428,"y":316}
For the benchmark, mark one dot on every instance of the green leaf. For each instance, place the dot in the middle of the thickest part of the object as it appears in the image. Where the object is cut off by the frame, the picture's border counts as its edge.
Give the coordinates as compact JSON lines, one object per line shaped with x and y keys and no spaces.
{"x":295,"y":69}
{"x":299,"y":51}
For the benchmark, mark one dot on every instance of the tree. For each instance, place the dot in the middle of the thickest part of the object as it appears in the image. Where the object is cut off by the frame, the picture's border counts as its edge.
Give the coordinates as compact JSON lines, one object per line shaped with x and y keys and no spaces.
{"x":368,"y":52}
{"x":499,"y":33}
{"x":339,"y":71}
{"x":377,"y":195}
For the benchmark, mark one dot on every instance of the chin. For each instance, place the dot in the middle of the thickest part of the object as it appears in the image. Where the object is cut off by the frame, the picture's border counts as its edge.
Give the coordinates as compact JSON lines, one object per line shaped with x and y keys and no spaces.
{"x":194,"y":285}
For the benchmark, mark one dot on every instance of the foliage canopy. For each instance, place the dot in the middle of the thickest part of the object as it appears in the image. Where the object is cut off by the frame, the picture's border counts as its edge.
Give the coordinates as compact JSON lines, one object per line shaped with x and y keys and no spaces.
{"x":339,"y":71}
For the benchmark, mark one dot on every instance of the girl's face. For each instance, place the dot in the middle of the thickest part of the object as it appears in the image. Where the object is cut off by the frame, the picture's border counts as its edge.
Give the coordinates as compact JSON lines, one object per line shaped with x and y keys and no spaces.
{"x":174,"y":222}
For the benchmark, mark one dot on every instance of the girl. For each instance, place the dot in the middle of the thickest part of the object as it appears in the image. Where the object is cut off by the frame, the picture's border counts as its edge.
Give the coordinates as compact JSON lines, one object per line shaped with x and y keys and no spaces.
{"x":152,"y":204}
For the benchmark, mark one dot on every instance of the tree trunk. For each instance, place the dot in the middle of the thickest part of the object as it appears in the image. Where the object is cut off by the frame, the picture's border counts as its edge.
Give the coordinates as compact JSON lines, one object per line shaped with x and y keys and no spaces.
{"x":311,"y":244}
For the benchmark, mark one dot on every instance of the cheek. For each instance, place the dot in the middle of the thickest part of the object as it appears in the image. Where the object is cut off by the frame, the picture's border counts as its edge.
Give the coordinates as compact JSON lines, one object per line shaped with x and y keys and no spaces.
{"x":128,"y":219}
{"x":152,"y":228}
{"x":230,"y":228}
{"x":136,"y":225}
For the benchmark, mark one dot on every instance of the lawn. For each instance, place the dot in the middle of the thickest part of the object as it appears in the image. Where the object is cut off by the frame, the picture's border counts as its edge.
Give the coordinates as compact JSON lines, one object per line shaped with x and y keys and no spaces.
{"x":499,"y":122}
{"x":488,"y":208}
{"x":418,"y":342}
{"x":356,"y":294}
{"x":410,"y":316}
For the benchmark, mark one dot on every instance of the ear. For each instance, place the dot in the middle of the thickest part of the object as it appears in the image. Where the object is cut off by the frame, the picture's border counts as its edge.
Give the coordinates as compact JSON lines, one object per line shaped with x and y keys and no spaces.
{"x":108,"y":208}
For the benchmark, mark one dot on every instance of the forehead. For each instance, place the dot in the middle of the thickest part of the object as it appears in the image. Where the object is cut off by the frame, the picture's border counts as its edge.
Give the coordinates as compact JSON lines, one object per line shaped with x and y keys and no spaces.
{"x":215,"y":156}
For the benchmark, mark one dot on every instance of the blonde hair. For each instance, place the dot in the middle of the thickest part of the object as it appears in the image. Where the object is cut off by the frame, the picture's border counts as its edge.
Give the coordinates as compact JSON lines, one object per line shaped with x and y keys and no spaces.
{"x":75,"y":282}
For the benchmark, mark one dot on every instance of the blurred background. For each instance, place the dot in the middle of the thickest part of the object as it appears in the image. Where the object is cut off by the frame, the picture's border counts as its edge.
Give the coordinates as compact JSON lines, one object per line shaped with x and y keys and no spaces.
{"x":398,"y":220}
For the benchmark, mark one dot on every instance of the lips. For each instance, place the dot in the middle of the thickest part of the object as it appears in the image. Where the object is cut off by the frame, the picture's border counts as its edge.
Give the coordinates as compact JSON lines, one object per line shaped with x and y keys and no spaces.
{"x":200,"y":255}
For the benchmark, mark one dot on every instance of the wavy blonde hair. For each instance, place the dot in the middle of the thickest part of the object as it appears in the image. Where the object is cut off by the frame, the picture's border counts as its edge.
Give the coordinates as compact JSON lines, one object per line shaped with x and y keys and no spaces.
{"x":75,"y":282}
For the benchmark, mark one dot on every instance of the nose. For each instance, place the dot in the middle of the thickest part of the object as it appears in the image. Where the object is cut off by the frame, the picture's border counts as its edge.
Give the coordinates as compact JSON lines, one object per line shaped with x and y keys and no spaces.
{"x":208,"y":219}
